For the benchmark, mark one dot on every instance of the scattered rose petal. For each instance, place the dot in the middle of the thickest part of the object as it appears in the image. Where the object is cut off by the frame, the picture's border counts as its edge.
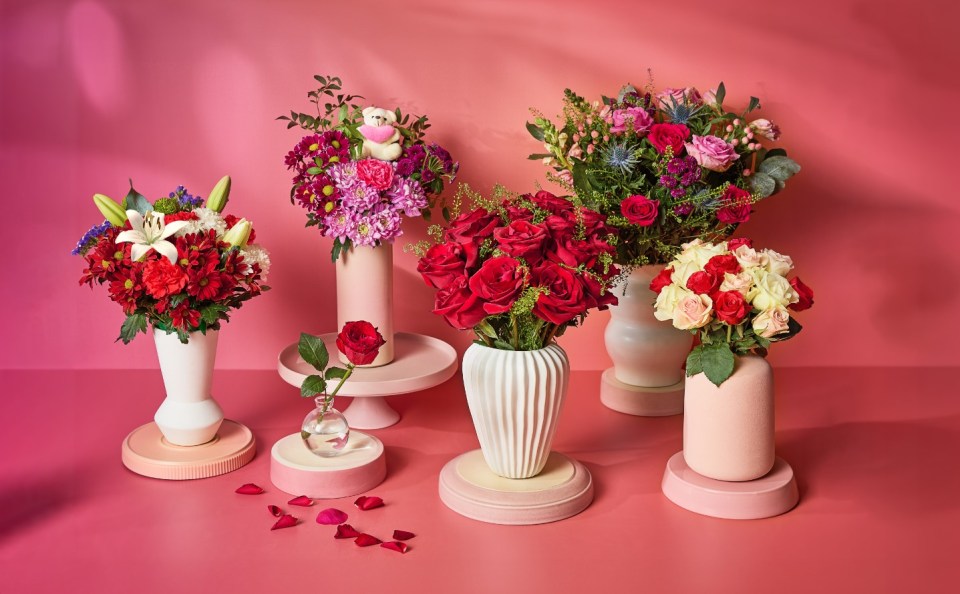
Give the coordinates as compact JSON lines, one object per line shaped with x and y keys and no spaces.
{"x":250,"y":489}
{"x":302,"y":501}
{"x":366,"y":540}
{"x":331,"y":516}
{"x":399,"y":547}
{"x":366,"y":503}
{"x":346,"y":531}
{"x":402,"y":535}
{"x":285,"y":521}
{"x":277,"y":512}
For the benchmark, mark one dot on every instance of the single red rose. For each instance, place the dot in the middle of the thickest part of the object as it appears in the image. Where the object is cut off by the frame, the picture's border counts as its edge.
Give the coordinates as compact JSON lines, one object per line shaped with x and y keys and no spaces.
{"x":736,"y":242}
{"x":575,"y":252}
{"x":163,"y":278}
{"x":458,"y":305}
{"x":550,"y":202}
{"x":376,"y":174}
{"x":442,"y":264}
{"x":499,"y":283}
{"x":565,"y":297}
{"x":736,"y":206}
{"x":640,"y":210}
{"x":230,"y":220}
{"x":722,"y":264}
{"x":673,"y":135}
{"x":661,"y":280}
{"x":474,"y":225}
{"x":360,"y":342}
{"x":703,"y":282}
{"x":730,"y":307}
{"x":805,"y":293}
{"x":522,"y":239}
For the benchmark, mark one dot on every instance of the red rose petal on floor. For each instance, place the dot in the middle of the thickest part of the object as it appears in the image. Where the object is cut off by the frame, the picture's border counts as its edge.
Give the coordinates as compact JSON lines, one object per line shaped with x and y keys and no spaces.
{"x":302,"y":501}
{"x":402,"y":535}
{"x":277,"y":512}
{"x":366,"y":540}
{"x":285,"y":521}
{"x":399,"y":547}
{"x":250,"y":489}
{"x":331,"y":516}
{"x":366,"y":503}
{"x":346,"y":531}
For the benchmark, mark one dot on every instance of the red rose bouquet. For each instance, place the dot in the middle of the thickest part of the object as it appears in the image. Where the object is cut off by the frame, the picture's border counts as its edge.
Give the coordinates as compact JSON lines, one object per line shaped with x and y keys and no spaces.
{"x":175,"y":264}
{"x":735,"y":298}
{"x":665,"y":167}
{"x":520,"y":271}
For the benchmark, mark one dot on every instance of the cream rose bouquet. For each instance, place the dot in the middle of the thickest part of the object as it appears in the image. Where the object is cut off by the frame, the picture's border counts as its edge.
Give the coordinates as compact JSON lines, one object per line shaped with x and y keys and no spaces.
{"x":735,"y":298}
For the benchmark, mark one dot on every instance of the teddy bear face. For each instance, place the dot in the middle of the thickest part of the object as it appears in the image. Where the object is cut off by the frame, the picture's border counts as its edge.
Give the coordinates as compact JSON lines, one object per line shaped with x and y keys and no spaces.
{"x":377,"y":116}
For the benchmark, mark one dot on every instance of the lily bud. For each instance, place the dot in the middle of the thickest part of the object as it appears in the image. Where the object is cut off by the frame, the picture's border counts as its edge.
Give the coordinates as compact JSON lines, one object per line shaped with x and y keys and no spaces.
{"x":238,"y":235}
{"x":110,"y":210}
{"x":219,"y":194}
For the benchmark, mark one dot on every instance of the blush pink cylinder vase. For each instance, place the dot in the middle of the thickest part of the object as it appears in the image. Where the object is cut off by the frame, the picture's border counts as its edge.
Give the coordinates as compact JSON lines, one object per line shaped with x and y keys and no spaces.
{"x":645,"y":351}
{"x":189,"y":415}
{"x":365,"y":292}
{"x":728,"y":431}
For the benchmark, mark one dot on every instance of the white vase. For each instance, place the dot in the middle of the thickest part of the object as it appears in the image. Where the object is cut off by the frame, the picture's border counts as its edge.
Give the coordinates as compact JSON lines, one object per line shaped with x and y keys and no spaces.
{"x":365,"y":292}
{"x":514,"y":398}
{"x":188,"y":416}
{"x":728,"y":431}
{"x":645,"y":351}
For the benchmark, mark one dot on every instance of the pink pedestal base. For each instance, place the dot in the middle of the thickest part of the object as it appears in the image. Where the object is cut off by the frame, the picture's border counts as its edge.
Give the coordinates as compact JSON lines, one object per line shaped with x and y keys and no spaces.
{"x":640,"y":401}
{"x":563,"y":489}
{"x":297,"y":471}
{"x":770,"y":495}
{"x":146,"y":452}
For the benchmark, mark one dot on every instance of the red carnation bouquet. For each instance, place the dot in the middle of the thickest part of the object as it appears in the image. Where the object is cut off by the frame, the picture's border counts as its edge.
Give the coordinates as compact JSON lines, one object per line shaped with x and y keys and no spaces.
{"x":520,"y":270}
{"x":176,"y":264}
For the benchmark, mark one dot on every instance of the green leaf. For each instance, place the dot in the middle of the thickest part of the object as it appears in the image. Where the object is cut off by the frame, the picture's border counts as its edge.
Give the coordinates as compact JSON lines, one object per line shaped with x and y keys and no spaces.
{"x":535,"y":131}
{"x":503,"y":345}
{"x":314,"y":171}
{"x":763,"y":184}
{"x":539,"y":156}
{"x":721,"y":93}
{"x":775,"y":152}
{"x":335,"y":373}
{"x":211,"y":313}
{"x":313,"y":351}
{"x":717,"y":361}
{"x":133,"y":325}
{"x":754,"y":103}
{"x":486,"y":329}
{"x":136,"y":201}
{"x":780,"y":168}
{"x":693,"y":361}
{"x":312,"y":385}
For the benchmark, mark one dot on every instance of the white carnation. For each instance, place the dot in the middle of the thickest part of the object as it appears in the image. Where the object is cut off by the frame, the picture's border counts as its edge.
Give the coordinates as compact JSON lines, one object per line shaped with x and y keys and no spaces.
{"x":255,"y":254}
{"x":206,"y":219}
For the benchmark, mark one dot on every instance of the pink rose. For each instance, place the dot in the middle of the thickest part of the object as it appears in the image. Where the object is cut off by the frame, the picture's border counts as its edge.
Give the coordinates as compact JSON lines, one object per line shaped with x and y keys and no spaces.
{"x":631,"y":119}
{"x":689,"y":94}
{"x":374,"y":173}
{"x":711,"y":152}
{"x":710,"y":98}
{"x":771,"y":322}
{"x":693,"y":311}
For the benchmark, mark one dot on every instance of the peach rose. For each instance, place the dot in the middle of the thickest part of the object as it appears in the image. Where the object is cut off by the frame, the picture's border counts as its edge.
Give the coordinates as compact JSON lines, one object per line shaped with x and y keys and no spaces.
{"x":771,"y":322}
{"x":749,"y":257}
{"x":741,"y":283}
{"x":778,"y":263}
{"x":668,"y":300}
{"x":693,"y":311}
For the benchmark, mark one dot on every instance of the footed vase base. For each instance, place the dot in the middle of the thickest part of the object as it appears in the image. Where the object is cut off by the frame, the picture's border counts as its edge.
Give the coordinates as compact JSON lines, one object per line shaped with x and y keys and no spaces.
{"x":638,"y":400}
{"x":296,"y":470}
{"x":563,"y":489}
{"x":147,"y":453}
{"x":770,"y":495}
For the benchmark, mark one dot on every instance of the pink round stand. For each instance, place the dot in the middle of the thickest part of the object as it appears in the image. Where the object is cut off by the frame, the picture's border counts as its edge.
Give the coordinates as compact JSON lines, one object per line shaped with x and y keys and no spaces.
{"x":297,"y":471}
{"x":420,"y":362}
{"x":563,"y":489}
{"x":770,"y":495}
{"x":147,"y":453}
{"x":640,"y":401}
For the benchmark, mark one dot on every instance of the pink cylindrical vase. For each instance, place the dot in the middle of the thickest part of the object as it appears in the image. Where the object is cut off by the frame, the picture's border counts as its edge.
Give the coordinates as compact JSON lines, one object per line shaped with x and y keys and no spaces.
{"x":189,"y":415}
{"x":365,"y":292}
{"x":728,"y":430}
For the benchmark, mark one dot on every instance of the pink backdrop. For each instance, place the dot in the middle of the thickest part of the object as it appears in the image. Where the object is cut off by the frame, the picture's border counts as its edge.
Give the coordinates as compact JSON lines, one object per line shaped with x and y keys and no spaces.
{"x":93,"y":92}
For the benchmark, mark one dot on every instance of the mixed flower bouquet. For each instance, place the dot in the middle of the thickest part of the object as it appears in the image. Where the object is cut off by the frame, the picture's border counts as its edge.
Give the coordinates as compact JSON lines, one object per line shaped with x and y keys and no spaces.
{"x":520,"y":270}
{"x":175,"y":264}
{"x":665,"y":167}
{"x":733,"y":297}
{"x":359,"y":169}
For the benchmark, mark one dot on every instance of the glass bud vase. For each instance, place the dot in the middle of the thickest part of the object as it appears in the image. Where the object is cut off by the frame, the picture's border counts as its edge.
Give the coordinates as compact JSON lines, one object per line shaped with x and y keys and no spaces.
{"x":325,"y":431}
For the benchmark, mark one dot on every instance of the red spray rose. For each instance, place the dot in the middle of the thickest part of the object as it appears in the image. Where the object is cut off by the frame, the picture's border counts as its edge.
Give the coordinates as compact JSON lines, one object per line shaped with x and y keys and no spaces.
{"x":522,"y":239}
{"x":730,"y":307}
{"x":458,"y":305}
{"x":374,"y":173}
{"x":722,"y":264}
{"x":163,"y":278}
{"x":498,"y":283}
{"x":805,"y":293}
{"x":673,"y":135}
{"x":640,"y":210}
{"x":736,"y":206}
{"x":661,"y":280}
{"x":565,"y":299}
{"x":360,"y":342}
{"x":703,"y":283}
{"x":473,"y":225}
{"x":442,"y":264}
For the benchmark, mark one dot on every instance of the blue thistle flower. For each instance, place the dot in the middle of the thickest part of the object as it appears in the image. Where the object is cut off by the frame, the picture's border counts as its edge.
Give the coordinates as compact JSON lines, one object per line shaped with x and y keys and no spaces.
{"x":620,"y":156}
{"x":679,"y":113}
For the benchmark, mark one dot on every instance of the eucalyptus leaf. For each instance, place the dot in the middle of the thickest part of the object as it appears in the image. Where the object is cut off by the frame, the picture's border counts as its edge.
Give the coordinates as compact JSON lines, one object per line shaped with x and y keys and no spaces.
{"x":779,"y":167}
{"x":313,"y":351}
{"x":763,"y":184}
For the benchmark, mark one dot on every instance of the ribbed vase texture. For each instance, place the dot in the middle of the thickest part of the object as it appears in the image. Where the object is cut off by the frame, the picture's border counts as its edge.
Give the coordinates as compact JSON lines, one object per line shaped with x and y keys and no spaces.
{"x":515,"y":399}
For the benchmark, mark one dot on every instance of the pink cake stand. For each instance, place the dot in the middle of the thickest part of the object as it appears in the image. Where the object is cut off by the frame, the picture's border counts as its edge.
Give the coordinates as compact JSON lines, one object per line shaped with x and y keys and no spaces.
{"x":146,"y":452}
{"x":640,"y":401}
{"x":420,"y":362}
{"x":296,"y":470}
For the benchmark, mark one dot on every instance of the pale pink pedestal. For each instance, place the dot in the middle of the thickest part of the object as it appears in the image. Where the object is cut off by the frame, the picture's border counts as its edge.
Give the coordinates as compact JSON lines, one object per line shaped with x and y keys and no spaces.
{"x":770,"y":495}
{"x":146,"y":452}
{"x":297,"y":471}
{"x":638,"y":400}
{"x":420,"y":362}
{"x":563,"y":489}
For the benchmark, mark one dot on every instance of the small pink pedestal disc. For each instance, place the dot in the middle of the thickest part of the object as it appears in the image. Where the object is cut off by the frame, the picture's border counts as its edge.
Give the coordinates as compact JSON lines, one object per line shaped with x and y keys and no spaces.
{"x":640,"y":401}
{"x":296,"y":470}
{"x":563,"y":489}
{"x":770,"y":495}
{"x":146,"y":452}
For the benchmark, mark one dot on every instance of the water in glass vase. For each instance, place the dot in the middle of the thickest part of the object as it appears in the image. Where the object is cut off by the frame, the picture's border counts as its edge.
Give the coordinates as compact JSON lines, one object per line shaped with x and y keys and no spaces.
{"x":325,"y":430}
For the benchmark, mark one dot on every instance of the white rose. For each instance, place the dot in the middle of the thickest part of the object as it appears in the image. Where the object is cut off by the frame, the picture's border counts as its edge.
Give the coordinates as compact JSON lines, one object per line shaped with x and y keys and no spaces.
{"x":693,"y":311}
{"x":668,"y":300}
{"x":771,"y":322}
{"x":770,"y":291}
{"x":778,"y":263}
{"x":700,"y":253}
{"x":682,"y":271}
{"x":737,"y":282}
{"x":749,"y":257}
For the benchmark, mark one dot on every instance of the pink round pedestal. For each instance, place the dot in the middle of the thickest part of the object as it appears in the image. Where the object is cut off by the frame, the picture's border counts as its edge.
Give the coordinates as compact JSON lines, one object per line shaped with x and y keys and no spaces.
{"x":640,"y":401}
{"x":770,"y":495}
{"x":563,"y":489}
{"x":297,"y":471}
{"x":146,"y":452}
{"x":420,"y":362}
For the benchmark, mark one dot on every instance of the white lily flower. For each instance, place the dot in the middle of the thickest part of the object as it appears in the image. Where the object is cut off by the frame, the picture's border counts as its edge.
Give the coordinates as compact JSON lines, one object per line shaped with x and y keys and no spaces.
{"x":150,"y":232}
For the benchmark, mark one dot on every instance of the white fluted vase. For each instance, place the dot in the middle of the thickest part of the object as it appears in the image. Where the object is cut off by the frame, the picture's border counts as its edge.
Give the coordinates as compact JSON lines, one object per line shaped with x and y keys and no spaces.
{"x":189,"y":415}
{"x":365,"y":292}
{"x":515,"y":398}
